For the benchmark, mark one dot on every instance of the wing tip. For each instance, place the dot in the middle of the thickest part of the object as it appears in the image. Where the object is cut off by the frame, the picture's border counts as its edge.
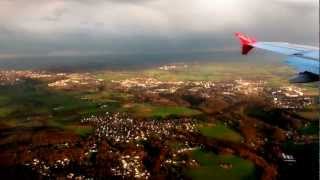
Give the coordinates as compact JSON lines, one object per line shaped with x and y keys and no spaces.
{"x":246,"y":42}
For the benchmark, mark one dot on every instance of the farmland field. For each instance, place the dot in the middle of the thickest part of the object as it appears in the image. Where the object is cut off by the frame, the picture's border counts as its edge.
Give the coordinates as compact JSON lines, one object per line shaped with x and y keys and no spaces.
{"x":210,"y":167}
{"x":219,"y":131}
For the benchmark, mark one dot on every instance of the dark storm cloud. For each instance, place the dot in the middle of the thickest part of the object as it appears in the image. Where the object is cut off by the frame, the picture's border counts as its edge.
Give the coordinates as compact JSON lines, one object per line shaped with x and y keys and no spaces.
{"x":69,"y":27}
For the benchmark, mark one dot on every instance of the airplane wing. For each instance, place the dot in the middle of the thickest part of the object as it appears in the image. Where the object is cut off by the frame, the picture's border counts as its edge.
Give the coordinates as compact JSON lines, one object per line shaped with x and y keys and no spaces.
{"x":303,"y":58}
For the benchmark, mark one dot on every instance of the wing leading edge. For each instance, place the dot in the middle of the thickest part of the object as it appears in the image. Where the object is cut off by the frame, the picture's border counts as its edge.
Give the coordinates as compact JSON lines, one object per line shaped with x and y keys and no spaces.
{"x":304,"y":58}
{"x":306,"y":52}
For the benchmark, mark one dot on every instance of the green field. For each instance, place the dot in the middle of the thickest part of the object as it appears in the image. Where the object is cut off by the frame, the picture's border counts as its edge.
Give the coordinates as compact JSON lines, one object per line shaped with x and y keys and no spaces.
{"x":107,"y":96}
{"x":219,"y":131}
{"x":81,"y":131}
{"x":275,"y":73}
{"x":210,"y":167}
{"x":32,"y":98}
{"x":148,"y":110}
{"x":108,"y":76}
{"x":5,"y":111}
{"x":311,"y":129}
{"x":222,"y":71}
{"x":31,"y":104}
{"x":310,"y":112}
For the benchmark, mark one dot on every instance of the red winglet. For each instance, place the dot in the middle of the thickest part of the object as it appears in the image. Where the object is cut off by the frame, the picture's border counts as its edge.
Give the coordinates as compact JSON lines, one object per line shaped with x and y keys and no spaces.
{"x":246,"y":42}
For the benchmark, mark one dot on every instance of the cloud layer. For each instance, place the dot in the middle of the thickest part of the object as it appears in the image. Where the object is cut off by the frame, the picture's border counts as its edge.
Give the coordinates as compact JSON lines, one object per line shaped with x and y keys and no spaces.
{"x":83,"y":27}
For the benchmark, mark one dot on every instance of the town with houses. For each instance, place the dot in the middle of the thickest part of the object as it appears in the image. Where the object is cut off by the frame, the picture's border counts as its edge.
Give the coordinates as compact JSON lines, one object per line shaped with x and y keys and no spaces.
{"x":288,"y":97}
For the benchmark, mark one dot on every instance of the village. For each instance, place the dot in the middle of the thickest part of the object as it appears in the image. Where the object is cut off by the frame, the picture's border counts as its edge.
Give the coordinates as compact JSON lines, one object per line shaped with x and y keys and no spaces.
{"x":286,"y":97}
{"x":60,"y":81}
{"x":119,"y":128}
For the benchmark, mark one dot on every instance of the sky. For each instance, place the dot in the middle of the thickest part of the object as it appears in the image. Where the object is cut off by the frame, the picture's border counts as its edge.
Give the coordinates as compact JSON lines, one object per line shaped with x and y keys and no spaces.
{"x":93,"y":27}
